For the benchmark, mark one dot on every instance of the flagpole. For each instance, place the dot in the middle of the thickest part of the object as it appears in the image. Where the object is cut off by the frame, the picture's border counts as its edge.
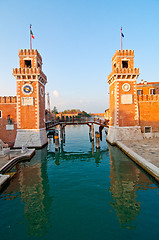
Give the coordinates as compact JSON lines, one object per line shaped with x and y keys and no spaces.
{"x":30,"y":39}
{"x":121,"y":40}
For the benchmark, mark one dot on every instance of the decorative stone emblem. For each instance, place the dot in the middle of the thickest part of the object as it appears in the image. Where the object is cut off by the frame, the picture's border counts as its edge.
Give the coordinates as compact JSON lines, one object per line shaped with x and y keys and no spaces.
{"x":42,"y":91}
{"x":27,"y":89}
{"x":126,"y":87}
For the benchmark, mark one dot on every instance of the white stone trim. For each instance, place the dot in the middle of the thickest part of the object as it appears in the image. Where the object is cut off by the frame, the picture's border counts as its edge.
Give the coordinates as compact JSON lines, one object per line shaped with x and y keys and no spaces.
{"x":31,"y":137}
{"x":122,"y":56}
{"x":8,"y":103}
{"x":126,"y":85}
{"x":32,"y":80}
{"x":31,"y":130}
{"x":37,"y":105}
{"x":124,"y":133}
{"x":127,"y":127}
{"x":122,"y":80}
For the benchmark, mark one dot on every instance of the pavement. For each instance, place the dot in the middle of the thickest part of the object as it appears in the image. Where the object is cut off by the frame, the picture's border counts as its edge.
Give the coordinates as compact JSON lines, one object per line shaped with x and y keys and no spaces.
{"x":7,"y":157}
{"x":146,"y":148}
{"x":144,"y":152}
{"x":10,"y":159}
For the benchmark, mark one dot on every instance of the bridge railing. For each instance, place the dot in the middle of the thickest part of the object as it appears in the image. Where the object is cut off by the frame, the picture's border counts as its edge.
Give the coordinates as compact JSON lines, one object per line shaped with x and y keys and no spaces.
{"x":77,"y":120}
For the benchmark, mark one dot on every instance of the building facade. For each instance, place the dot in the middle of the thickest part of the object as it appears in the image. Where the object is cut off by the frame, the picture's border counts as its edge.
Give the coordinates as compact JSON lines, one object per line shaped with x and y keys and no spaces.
{"x":8,"y":119}
{"x":148,"y":101}
{"x":123,"y":104}
{"x":28,"y":108}
{"x":133,"y":108}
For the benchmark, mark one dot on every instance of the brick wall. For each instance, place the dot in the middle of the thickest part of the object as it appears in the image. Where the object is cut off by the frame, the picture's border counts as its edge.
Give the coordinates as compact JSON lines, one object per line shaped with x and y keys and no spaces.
{"x":27,"y":115}
{"x":8,"y":107}
{"x":149,"y":111}
{"x":127,"y":114}
{"x":41,"y":106}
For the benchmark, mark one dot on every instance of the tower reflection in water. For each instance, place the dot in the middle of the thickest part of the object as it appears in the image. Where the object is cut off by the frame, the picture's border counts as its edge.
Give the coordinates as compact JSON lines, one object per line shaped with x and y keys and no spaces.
{"x":33,"y":187}
{"x":126,"y":180}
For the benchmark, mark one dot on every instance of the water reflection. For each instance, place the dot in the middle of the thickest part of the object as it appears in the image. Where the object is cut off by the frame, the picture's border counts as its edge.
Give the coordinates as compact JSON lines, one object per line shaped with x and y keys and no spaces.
{"x":126,"y":179}
{"x":33,"y":188}
{"x":62,"y":155}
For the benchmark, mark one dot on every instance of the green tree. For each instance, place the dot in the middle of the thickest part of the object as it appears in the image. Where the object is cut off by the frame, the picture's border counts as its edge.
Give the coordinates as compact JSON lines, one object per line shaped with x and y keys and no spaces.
{"x":55,"y":111}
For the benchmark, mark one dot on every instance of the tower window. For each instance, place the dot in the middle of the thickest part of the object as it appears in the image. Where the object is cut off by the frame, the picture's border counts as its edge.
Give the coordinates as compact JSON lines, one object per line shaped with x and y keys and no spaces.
{"x":27,"y":63}
{"x":0,"y":114}
{"x":124,"y":64}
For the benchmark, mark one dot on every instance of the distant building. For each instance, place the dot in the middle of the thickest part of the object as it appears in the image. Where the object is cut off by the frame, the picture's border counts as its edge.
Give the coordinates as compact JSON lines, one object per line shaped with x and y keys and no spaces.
{"x":67,"y":115}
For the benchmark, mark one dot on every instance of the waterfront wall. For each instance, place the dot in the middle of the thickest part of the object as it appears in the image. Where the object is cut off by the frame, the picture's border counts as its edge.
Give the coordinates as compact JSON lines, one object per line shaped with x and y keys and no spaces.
{"x":8,"y":119}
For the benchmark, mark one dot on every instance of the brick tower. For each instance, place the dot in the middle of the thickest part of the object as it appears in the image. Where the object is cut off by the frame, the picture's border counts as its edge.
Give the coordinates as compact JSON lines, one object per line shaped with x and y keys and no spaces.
{"x":123,"y":105}
{"x":30,"y":100}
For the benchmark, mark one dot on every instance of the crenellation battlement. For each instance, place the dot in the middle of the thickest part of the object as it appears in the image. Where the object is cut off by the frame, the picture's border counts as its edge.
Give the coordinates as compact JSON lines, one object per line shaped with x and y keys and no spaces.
{"x":124,"y":71}
{"x":8,"y":99}
{"x":30,"y":52}
{"x":19,"y":71}
{"x":123,"y":53}
{"x":148,"y":98}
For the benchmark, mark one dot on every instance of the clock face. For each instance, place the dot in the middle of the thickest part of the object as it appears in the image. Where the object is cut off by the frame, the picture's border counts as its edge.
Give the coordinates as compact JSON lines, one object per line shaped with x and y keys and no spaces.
{"x":27,"y":89}
{"x":126,"y":87}
{"x":42,"y":91}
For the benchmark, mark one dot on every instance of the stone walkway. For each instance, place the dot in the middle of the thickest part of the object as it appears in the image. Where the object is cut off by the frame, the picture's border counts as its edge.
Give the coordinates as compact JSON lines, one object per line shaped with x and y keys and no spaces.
{"x":7,"y":157}
{"x":148,"y":148}
{"x":8,"y":160}
{"x":144,"y":152}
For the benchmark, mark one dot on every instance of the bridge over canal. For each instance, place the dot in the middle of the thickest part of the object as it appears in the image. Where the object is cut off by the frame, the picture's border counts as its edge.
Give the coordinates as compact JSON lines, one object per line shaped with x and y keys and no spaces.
{"x":62,"y":123}
{"x":77,"y":121}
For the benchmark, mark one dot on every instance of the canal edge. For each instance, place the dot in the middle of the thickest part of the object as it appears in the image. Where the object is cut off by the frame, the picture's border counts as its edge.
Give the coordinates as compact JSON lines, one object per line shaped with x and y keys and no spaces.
{"x":142,"y":162}
{"x":4,"y":177}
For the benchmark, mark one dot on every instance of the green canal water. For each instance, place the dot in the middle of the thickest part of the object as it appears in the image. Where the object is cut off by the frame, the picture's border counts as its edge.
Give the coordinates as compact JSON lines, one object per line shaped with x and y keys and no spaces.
{"x":79,"y":194}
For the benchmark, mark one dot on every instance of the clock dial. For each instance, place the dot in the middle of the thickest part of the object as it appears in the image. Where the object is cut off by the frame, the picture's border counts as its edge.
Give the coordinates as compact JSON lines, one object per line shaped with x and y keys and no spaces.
{"x":42,"y":91}
{"x":126,"y":87}
{"x":27,"y":89}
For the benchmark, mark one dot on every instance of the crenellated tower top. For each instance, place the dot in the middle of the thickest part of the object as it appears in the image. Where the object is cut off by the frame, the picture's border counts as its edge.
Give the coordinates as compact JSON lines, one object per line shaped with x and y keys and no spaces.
{"x":30,"y":58}
{"x":30,"y":66}
{"x":123,"y":66}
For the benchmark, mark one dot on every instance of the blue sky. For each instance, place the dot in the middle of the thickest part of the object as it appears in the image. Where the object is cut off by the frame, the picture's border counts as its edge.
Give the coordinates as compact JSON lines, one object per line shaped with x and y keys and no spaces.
{"x":77,"y":40}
